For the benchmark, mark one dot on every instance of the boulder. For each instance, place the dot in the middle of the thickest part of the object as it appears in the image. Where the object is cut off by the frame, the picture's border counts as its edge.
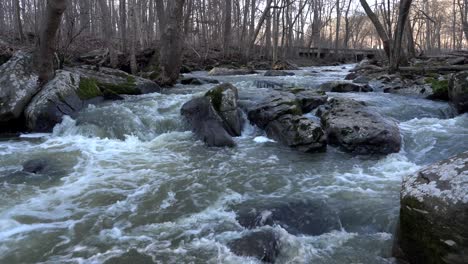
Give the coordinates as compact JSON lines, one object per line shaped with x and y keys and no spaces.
{"x":434,"y":213}
{"x":272,"y":107}
{"x":274,"y":73}
{"x":115,"y":81}
{"x":456,"y":61}
{"x":423,"y":91}
{"x":354,"y":127}
{"x":262,"y":245}
{"x":224,"y":99}
{"x":458,"y":91}
{"x":351,"y":76}
{"x":284,"y":66}
{"x":37,"y":166}
{"x":206,"y":123}
{"x":197,"y":81}
{"x":225,"y":71}
{"x":297,"y":216}
{"x":297,"y":132}
{"x":57,"y":98}
{"x":361,"y":80}
{"x":98,"y":56}
{"x":18,"y":85}
{"x":310,"y":100}
{"x":345,"y":87}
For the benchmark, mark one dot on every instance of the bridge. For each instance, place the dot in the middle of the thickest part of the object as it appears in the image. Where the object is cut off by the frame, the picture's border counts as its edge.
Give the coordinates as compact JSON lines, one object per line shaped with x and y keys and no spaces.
{"x":357,"y":54}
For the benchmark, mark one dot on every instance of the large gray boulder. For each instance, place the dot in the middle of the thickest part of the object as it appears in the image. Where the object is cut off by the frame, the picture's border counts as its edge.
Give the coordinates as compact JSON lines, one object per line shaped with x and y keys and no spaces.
{"x":458,"y":91}
{"x":18,"y":85}
{"x":225,"y":71}
{"x":345,"y":87}
{"x":224,"y":99}
{"x":280,"y":115}
{"x":434,"y":213}
{"x":206,"y":123}
{"x":263,"y":245}
{"x":354,"y":127}
{"x":57,"y":98}
{"x":112,"y":81}
{"x":297,"y":132}
{"x":215,"y":117}
{"x":310,"y":100}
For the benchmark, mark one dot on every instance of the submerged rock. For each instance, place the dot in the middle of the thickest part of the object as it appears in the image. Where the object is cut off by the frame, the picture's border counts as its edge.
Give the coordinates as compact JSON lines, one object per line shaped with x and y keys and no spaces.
{"x":57,"y":98}
{"x":434,"y":213}
{"x":37,"y":166}
{"x":197,"y":81}
{"x":274,"y":73}
{"x":308,"y":217}
{"x":268,"y":84}
{"x":225,"y":71}
{"x":18,"y":85}
{"x":284,"y":66}
{"x":262,"y":245}
{"x":132,"y":256}
{"x":215,"y":117}
{"x":354,"y":127}
{"x":345,"y":87}
{"x":458,"y":91}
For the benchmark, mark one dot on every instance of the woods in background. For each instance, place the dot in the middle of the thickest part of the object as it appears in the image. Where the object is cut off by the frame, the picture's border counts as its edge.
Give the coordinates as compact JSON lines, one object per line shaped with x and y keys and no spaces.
{"x":240,"y":29}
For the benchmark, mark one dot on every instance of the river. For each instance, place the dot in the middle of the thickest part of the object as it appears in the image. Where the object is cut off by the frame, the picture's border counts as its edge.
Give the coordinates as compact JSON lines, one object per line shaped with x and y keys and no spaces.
{"x":130,"y":175}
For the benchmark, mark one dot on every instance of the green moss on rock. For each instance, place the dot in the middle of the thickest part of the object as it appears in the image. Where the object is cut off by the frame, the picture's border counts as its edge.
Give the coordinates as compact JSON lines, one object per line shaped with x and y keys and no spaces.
{"x":128,"y":87}
{"x":439,"y":88}
{"x":88,"y":89}
{"x":216,"y":96}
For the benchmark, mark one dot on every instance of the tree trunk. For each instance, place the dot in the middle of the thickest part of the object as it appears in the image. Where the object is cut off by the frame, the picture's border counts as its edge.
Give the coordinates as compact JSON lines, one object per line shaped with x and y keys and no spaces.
{"x":123,"y":24}
{"x":403,"y":15}
{"x":378,"y":27}
{"x":19,"y":24}
{"x":107,"y":31}
{"x":132,"y":26}
{"x":45,"y":54}
{"x":227,"y":27}
{"x":172,"y":43}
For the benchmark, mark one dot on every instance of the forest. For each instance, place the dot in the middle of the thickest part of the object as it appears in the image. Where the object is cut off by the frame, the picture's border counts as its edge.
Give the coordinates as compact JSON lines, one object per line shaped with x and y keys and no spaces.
{"x":234,"y":131}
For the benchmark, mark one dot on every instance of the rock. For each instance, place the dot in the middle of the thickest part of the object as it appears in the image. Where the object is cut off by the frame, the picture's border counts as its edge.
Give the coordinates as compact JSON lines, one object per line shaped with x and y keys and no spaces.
{"x":354,"y":127}
{"x":262,"y":245}
{"x":37,"y":166}
{"x":361,"y":80}
{"x":423,"y":91}
{"x":434,"y":213}
{"x":284,"y":66}
{"x":116,"y":81}
{"x":458,"y":91}
{"x":206,"y":123}
{"x":18,"y":85}
{"x":185,"y":69}
{"x":275,"y":73}
{"x":345,"y":87}
{"x":297,"y":132}
{"x":297,"y":216}
{"x":310,"y":100}
{"x":132,"y":256}
{"x":351,"y":76}
{"x":225,"y":71}
{"x":456,"y":61}
{"x":98,"y":56}
{"x":224,"y":99}
{"x":197,"y":81}
{"x":272,"y":107}
{"x":57,"y":98}
{"x":268,"y":84}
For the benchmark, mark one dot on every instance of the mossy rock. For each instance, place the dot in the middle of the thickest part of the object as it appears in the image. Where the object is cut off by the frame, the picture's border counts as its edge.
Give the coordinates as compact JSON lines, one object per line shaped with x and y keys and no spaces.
{"x":439,"y":88}
{"x":216,"y":94}
{"x":128,"y":87}
{"x":88,"y":89}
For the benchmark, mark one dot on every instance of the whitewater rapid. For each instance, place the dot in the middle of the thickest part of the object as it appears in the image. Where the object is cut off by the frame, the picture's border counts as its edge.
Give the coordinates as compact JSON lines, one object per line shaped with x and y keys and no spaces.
{"x":131,"y":175}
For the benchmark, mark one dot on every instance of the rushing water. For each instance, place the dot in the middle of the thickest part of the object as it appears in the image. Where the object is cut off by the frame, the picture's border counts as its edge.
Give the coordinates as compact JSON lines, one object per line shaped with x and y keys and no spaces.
{"x":130,"y":175}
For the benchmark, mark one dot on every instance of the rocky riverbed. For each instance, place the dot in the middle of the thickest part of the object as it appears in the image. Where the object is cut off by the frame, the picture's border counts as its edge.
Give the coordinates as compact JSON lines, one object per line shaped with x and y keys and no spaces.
{"x":128,"y":180}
